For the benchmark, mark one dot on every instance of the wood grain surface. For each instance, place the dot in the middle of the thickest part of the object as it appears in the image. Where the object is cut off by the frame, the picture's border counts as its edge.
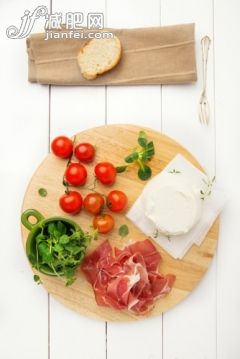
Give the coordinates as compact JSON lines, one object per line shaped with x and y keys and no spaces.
{"x":113,"y":143}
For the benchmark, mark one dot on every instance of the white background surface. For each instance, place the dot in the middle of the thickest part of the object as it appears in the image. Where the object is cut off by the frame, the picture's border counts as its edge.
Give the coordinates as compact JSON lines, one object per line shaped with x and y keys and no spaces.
{"x":207,"y":324}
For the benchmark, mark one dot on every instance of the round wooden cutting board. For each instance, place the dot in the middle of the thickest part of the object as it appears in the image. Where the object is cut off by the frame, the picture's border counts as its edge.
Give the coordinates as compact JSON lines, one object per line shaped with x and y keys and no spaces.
{"x":113,"y":143}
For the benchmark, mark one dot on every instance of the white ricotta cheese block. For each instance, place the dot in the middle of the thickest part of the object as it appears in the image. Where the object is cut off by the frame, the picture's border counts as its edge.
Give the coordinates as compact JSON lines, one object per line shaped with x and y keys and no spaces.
{"x":173,"y":204}
{"x":171,"y":201}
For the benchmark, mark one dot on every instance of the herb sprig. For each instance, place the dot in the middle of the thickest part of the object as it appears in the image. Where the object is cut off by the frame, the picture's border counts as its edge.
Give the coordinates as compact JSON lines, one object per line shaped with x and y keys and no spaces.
{"x":209,"y":182}
{"x":174,"y":171}
{"x":59,"y":249}
{"x":141,"y":156}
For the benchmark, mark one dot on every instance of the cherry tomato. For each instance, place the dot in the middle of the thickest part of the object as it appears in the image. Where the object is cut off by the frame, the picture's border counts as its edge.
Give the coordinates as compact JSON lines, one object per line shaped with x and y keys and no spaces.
{"x":71,"y":202}
{"x":103,"y":223}
{"x":105,"y":172}
{"x":62,"y":147}
{"x":84,"y":152}
{"x":93,"y":203}
{"x":117,"y":201}
{"x":76,"y":174}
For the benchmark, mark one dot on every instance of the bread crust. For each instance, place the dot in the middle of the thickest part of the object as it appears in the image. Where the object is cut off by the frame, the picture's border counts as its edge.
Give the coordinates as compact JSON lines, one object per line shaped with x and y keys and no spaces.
{"x":93,"y":74}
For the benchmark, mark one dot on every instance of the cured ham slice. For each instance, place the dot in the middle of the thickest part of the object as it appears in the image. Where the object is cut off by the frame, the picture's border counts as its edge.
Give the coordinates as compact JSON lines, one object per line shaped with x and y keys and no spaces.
{"x":128,"y":279}
{"x":151,"y":256}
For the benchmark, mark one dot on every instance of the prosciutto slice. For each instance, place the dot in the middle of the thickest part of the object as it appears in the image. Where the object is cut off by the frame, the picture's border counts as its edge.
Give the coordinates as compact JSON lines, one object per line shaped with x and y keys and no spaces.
{"x":127,"y":278}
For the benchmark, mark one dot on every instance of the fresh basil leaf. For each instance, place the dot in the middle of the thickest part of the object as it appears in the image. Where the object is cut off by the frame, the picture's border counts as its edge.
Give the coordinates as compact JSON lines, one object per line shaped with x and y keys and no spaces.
{"x":142,"y":139}
{"x":42,"y":192}
{"x":144,"y":173}
{"x":123,"y":230}
{"x":121,"y":169}
{"x":132,"y":157}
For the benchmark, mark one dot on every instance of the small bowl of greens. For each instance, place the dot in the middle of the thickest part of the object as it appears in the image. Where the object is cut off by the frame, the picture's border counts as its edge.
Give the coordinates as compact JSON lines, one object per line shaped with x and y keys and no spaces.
{"x":55,"y":246}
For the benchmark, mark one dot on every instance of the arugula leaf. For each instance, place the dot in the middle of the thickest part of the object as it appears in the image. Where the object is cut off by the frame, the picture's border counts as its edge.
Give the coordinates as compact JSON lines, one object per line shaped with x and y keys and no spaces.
{"x":44,"y":252}
{"x":69,"y":274}
{"x":40,"y":237}
{"x":64,"y":239}
{"x":61,"y":227}
{"x":60,"y":249}
{"x":51,"y":227}
{"x":56,"y":233}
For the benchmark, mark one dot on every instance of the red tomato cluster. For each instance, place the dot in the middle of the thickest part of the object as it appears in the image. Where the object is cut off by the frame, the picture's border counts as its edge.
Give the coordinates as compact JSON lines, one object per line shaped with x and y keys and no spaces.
{"x":62,"y":146}
{"x":76,"y":175}
{"x":106,"y":173}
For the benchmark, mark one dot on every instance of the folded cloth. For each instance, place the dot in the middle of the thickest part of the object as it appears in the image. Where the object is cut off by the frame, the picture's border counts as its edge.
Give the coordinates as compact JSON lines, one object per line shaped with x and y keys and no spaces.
{"x":177,"y":246}
{"x":157,"y":55}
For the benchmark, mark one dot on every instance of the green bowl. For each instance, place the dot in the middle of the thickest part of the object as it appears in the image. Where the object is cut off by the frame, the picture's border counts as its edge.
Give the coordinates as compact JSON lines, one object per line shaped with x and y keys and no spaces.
{"x":35,"y":229}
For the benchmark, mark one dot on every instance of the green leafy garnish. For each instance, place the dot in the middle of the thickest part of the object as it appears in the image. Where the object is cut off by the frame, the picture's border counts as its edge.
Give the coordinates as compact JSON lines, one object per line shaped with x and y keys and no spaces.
{"x":121,"y":169}
{"x":144,"y":173}
{"x":149,"y":152}
{"x":132,"y":157}
{"x":42,"y":192}
{"x":174,"y":171}
{"x":141,"y":156}
{"x":209,"y":182}
{"x":37,"y":279}
{"x":142,"y":139}
{"x":59,"y":249}
{"x":123,"y":230}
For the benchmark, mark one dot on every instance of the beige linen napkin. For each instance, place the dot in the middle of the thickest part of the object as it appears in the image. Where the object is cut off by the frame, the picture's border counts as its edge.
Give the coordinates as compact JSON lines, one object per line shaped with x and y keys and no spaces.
{"x":156,"y":55}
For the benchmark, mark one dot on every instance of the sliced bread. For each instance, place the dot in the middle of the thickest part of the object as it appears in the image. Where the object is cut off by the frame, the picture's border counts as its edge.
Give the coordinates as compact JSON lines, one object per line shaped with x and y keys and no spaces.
{"x":99,"y":56}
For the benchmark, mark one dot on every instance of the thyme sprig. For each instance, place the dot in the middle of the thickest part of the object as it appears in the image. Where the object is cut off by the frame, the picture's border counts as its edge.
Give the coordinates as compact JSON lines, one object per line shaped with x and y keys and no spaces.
{"x":208,"y":182}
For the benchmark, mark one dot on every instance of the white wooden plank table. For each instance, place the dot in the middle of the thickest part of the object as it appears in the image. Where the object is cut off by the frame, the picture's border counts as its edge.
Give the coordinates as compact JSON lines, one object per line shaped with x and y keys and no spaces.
{"x":207,"y":324}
